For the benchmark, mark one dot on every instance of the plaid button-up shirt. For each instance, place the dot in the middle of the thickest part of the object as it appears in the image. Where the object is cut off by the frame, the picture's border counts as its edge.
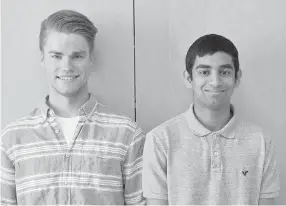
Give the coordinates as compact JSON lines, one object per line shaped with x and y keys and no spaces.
{"x":102,"y":166}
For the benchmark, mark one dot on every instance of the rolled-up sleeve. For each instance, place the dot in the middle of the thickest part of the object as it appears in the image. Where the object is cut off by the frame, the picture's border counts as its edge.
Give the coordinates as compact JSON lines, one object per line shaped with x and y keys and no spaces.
{"x":154,"y":169}
{"x":132,"y":170}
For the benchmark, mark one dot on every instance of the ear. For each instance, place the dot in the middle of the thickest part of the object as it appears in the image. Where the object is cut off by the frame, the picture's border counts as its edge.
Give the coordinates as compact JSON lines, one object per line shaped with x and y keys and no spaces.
{"x":42,"y":59}
{"x":92,"y":61}
{"x":187,"y":79}
{"x":92,"y":58}
{"x":238,"y":78}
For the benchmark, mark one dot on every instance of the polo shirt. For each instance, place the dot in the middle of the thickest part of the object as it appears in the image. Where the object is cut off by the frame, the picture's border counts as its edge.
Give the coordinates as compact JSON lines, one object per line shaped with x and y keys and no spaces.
{"x":101,"y":166}
{"x":185,"y":163}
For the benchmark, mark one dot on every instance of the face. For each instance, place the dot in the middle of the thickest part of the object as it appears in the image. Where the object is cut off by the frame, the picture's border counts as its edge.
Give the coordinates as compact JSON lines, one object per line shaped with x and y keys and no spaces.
{"x":67,"y":61}
{"x":213,"y":80}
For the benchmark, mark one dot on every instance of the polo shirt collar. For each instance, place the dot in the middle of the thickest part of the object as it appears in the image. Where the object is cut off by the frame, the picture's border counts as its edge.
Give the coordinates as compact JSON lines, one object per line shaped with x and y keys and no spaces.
{"x":198,"y":129}
{"x":86,"y":109}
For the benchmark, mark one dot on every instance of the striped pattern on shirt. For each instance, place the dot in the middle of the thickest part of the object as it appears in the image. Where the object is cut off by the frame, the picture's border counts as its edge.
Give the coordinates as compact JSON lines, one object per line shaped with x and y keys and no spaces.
{"x":102,"y":166}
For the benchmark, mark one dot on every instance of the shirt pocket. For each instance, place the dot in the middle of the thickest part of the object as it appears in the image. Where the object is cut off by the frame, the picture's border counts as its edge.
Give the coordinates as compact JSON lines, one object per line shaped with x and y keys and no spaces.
{"x":100,"y":162}
{"x":101,"y":171}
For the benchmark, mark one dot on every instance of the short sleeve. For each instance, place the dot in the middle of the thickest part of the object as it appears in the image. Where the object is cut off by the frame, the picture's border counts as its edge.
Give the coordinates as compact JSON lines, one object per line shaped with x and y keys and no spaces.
{"x":132,"y":170}
{"x":270,"y":179}
{"x":154,"y":169}
{"x":7,"y":179}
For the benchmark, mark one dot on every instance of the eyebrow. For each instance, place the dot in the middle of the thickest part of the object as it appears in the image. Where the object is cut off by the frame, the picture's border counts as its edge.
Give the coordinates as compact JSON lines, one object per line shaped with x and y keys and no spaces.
{"x":205,"y":66}
{"x":55,"y":52}
{"x":79,"y":52}
{"x":226,"y":66}
{"x":60,"y":53}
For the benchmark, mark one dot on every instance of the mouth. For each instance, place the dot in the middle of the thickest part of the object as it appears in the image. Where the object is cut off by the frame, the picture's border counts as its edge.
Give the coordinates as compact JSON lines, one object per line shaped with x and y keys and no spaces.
{"x":67,"y":78}
{"x":215,"y":91}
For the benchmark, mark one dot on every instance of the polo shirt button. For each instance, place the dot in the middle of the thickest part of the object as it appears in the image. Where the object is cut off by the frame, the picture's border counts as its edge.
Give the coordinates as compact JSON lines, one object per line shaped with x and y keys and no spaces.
{"x":214,"y":136}
{"x":57,"y":131}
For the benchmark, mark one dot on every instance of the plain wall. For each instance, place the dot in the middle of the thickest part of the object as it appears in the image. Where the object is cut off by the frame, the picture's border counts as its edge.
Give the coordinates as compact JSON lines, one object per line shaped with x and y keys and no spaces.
{"x":166,"y":28}
{"x":23,"y":78}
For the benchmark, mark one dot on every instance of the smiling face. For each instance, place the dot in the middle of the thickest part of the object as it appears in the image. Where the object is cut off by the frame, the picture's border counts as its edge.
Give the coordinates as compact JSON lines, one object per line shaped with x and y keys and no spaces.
{"x":213,"y":80}
{"x":67,"y":61}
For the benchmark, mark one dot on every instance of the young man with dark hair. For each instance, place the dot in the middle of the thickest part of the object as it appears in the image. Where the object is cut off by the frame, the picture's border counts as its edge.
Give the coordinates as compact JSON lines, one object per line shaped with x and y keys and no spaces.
{"x":72,"y":150}
{"x":208,"y":155}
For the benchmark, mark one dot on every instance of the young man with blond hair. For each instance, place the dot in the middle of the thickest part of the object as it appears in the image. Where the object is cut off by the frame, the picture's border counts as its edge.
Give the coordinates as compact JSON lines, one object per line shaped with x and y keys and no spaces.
{"x":71,"y":150}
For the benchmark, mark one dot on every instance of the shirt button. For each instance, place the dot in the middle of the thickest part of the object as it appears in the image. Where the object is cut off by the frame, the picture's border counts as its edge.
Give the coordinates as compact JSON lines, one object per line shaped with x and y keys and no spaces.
{"x":57,"y":131}
{"x":214,"y":136}
{"x":216,"y":153}
{"x":67,"y":155}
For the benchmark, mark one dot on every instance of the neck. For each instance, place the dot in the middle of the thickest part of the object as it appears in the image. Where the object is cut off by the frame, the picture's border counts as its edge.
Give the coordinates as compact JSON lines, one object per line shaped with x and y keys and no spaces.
{"x":213,"y":120}
{"x":67,"y":106}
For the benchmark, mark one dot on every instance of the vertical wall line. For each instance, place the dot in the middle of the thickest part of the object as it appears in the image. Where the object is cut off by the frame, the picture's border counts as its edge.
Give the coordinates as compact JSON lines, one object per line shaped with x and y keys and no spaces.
{"x":134,"y":62}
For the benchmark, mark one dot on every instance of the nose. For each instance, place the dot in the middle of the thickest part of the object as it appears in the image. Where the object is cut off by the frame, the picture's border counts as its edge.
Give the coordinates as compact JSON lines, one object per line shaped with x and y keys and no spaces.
{"x":67,"y":64}
{"x":215,"y":79}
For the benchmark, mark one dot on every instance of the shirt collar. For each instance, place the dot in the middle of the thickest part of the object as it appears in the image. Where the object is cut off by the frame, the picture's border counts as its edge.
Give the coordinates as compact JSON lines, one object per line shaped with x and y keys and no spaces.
{"x":86,"y":109}
{"x":198,"y":129}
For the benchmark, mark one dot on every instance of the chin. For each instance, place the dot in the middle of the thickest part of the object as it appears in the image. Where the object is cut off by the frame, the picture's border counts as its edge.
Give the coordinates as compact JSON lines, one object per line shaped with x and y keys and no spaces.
{"x":68,"y":93}
{"x":217,"y":105}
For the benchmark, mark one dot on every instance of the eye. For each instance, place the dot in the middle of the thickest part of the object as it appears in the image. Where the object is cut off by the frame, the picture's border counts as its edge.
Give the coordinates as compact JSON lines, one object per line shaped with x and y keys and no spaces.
{"x":204,"y":72}
{"x":77,"y":56}
{"x":56,"y":56}
{"x":226,"y":72}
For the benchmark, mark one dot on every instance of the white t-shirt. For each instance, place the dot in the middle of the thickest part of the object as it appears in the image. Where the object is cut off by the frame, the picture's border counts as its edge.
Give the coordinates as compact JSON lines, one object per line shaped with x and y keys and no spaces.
{"x":68,"y":126}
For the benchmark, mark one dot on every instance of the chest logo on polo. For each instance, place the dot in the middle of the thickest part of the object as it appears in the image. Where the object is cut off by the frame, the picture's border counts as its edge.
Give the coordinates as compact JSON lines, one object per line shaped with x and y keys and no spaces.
{"x":244,"y":172}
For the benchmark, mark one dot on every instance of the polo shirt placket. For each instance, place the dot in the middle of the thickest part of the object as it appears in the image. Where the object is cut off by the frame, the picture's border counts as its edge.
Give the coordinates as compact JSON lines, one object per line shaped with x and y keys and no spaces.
{"x":216,"y":165}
